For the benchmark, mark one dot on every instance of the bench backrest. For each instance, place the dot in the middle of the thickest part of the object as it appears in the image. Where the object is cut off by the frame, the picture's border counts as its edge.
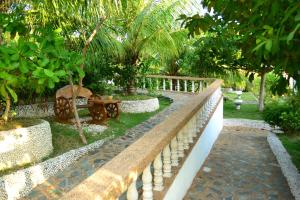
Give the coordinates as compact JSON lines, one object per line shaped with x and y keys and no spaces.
{"x":66,"y":92}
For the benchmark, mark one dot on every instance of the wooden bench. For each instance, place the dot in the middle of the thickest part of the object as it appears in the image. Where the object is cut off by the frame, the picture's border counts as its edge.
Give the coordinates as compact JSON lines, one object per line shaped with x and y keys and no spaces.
{"x":100,"y":109}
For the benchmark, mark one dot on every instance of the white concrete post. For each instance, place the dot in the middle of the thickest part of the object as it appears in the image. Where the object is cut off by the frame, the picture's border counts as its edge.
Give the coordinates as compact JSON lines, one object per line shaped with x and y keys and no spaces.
{"x":147,"y":183}
{"x":144,"y":83}
{"x":180,"y":145}
{"x":178,"y":86}
{"x":200,"y":86}
{"x":186,"y":137}
{"x":132,"y":193}
{"x":164,"y":84}
{"x":157,"y":84}
{"x":158,"y":174}
{"x":167,"y":161}
{"x":174,"y":153}
{"x":193,"y":86}
{"x":171,"y":85}
{"x":185,"y":85}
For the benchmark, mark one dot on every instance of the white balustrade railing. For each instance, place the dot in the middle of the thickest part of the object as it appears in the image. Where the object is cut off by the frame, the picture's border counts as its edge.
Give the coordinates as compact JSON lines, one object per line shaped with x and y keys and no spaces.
{"x":174,"y":83}
{"x":157,"y":155}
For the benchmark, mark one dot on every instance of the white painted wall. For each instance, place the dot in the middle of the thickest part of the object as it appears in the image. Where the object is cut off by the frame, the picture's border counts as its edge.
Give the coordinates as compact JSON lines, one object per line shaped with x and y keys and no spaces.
{"x":197,"y":156}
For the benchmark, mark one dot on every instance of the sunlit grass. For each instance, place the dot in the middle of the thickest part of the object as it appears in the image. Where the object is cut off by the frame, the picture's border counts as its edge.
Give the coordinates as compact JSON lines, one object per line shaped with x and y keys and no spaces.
{"x":247,"y":111}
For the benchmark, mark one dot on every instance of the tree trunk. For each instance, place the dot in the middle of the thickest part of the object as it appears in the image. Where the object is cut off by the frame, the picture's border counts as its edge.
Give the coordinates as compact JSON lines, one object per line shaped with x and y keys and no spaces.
{"x":131,"y":87}
{"x":78,"y":123}
{"x":87,"y":44}
{"x":262,"y":91}
{"x":7,"y":109}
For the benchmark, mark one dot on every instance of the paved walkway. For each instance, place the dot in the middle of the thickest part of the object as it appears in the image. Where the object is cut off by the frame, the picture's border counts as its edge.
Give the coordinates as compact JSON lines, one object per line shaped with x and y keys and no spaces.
{"x":64,"y":181}
{"x":240,"y":166}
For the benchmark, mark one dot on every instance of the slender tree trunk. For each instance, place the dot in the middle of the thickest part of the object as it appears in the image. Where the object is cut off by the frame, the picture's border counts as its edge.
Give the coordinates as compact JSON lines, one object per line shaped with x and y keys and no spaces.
{"x":7,"y":108}
{"x":87,"y":44}
{"x":78,"y":123}
{"x":262,"y":91}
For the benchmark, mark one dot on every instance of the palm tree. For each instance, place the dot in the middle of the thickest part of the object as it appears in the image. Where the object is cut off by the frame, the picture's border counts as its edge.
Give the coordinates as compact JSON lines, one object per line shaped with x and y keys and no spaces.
{"x":142,"y":30}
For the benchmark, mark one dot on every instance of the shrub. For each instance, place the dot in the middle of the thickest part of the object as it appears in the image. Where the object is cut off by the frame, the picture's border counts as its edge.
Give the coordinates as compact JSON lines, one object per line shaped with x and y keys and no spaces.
{"x":273,"y":112}
{"x":290,"y":121}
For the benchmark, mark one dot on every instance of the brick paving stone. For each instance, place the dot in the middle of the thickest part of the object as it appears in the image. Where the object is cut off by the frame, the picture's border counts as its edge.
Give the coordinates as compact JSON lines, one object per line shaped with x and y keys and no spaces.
{"x":242,"y":167}
{"x":65,"y":180}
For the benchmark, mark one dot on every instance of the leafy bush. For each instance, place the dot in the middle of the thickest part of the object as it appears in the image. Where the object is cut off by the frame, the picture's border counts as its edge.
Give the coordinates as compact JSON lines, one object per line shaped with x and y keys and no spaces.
{"x":290,"y":121}
{"x":273,"y":112}
{"x":284,"y":114}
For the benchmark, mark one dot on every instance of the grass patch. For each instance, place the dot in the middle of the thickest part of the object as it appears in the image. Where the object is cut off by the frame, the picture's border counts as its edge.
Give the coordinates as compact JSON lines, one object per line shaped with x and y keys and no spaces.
{"x":66,"y":138}
{"x":19,"y":123}
{"x":247,"y":111}
{"x":292,"y":145}
{"x":133,"y":97}
{"x":246,"y":96}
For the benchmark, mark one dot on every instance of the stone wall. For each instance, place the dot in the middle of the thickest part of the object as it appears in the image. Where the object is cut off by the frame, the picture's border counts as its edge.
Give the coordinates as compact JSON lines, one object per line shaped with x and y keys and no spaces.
{"x":40,"y":109}
{"x":25,"y":145}
{"x":140,"y":106}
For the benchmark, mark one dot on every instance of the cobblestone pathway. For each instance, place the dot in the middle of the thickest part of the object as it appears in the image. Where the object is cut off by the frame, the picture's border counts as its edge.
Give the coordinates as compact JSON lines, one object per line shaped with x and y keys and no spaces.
{"x":64,"y":181}
{"x":241,"y":166}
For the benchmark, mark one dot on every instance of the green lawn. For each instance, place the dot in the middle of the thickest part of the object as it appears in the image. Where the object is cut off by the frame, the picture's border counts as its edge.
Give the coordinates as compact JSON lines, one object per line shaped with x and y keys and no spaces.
{"x":247,"y":111}
{"x":65,"y":138}
{"x":292,"y":145}
{"x":246,"y":96}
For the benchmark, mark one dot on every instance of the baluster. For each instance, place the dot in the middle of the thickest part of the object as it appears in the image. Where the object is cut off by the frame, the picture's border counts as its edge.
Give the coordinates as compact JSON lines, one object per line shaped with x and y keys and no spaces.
{"x":158,"y":179}
{"x":144,"y":83}
{"x":147,"y":183}
{"x":202,"y":120}
{"x":157,"y":84}
{"x":185,"y":85}
{"x":132,"y":193}
{"x":186,"y":137}
{"x":180,"y":145}
{"x":191,"y":132}
{"x":200,"y":86}
{"x":137,"y":82}
{"x":150,"y":83}
{"x":178,"y":85}
{"x":167,"y":161}
{"x":164,"y":84}
{"x":193,"y":86}
{"x":171,"y":85}
{"x":174,"y":154}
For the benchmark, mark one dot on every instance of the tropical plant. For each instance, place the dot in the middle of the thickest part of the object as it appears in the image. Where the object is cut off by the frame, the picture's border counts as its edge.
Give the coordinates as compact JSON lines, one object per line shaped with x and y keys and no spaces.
{"x":269,"y":34}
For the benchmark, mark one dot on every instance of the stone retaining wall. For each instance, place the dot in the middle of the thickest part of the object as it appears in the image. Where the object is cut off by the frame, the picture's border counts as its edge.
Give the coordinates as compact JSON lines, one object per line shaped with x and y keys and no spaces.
{"x":140,"y":106}
{"x":25,"y":145}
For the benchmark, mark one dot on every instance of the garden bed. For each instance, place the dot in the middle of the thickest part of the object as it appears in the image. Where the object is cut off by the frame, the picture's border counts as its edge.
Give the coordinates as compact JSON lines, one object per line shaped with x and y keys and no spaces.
{"x":67,"y":149}
{"x":29,"y":141}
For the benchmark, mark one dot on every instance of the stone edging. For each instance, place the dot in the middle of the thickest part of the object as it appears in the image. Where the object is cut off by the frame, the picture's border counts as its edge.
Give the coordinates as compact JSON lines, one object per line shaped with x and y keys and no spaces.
{"x":140,"y":106}
{"x":21,"y":182}
{"x":288,"y":168}
{"x":284,"y":159}
{"x":259,"y":124}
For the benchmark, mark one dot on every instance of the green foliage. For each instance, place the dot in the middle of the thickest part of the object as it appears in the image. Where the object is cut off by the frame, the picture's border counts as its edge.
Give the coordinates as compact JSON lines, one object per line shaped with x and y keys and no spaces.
{"x":290,"y":121}
{"x":292,"y":145}
{"x":268,"y":33}
{"x":285,"y":114}
{"x":272,"y":112}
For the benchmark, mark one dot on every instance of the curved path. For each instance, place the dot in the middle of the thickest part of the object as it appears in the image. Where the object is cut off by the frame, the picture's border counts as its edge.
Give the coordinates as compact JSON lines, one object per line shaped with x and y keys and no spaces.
{"x":240,"y":166}
{"x":65,"y":180}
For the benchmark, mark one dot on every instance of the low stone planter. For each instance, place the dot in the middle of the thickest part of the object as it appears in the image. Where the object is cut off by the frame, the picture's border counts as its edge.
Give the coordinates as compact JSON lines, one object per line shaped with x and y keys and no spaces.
{"x":25,"y":145}
{"x":140,"y":106}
